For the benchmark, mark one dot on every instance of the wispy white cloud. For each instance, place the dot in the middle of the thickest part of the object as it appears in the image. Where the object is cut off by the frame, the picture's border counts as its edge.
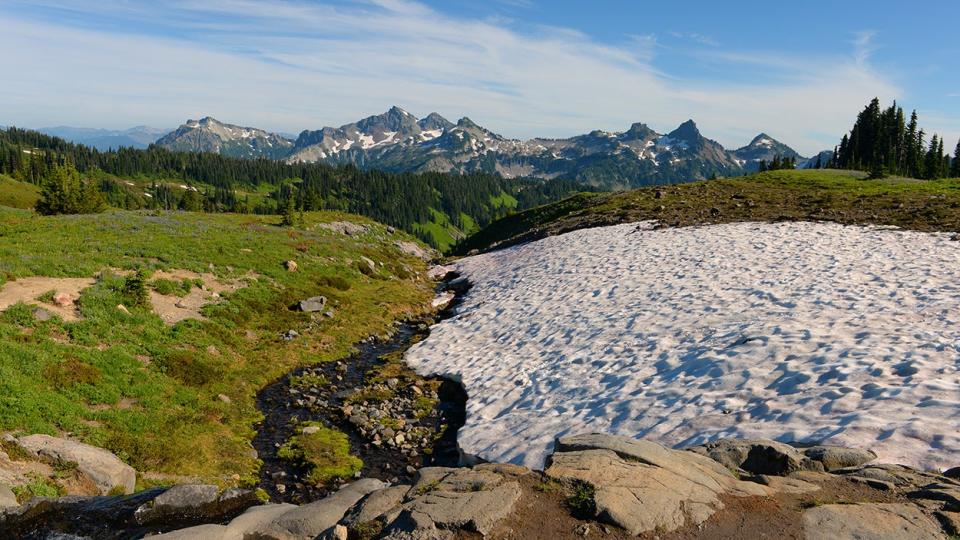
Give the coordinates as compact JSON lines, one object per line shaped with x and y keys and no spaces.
{"x":291,"y":66}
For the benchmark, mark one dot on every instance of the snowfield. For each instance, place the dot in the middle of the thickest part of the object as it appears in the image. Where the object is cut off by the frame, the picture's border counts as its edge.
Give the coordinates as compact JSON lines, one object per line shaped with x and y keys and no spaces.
{"x":791,"y":331}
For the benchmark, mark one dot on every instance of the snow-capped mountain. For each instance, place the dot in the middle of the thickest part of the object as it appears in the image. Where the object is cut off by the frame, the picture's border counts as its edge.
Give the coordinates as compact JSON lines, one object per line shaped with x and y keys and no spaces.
{"x":211,"y":135}
{"x":763,"y":148}
{"x":398,"y":141}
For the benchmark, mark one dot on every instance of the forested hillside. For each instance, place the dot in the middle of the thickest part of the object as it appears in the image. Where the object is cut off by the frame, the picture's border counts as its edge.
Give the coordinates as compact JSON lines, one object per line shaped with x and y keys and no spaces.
{"x":439,"y":208}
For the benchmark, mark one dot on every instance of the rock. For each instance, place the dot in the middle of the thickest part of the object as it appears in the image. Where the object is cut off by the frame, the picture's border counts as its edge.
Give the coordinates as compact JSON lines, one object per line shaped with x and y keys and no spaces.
{"x":41,"y":314}
{"x":344,"y":227}
{"x":372,"y":266}
{"x":7,"y":498}
{"x":200,"y":532}
{"x":224,"y":398}
{"x":642,"y":486}
{"x":784,"y":484}
{"x":63,"y":300}
{"x":339,"y":533}
{"x":949,"y":494}
{"x":837,"y":457}
{"x":105,"y":470}
{"x":291,"y":266}
{"x":459,"y":499}
{"x":290,"y":335}
{"x":582,"y":530}
{"x":308,"y":430}
{"x":194,"y":503}
{"x":952,"y":473}
{"x":442,"y":300}
{"x":414,"y":250}
{"x":759,"y":456}
{"x":871,"y":521}
{"x":123,"y":309}
{"x":311,"y":520}
{"x":951,"y":521}
{"x":254,"y":519}
{"x":314,"y":304}
{"x":378,"y":504}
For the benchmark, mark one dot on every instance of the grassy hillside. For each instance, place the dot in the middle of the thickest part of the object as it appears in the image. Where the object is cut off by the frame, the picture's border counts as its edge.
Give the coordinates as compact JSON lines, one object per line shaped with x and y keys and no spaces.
{"x":17,"y":194}
{"x":826,"y":195}
{"x":179,"y":399}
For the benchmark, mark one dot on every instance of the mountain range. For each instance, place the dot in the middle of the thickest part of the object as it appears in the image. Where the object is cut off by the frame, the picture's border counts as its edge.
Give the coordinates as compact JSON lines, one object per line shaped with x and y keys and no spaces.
{"x":397,"y":141}
{"x":106,"y":139}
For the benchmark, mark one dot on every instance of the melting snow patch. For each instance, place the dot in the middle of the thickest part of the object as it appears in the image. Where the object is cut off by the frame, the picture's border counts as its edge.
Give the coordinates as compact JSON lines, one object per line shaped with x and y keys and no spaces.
{"x":793,"y":331}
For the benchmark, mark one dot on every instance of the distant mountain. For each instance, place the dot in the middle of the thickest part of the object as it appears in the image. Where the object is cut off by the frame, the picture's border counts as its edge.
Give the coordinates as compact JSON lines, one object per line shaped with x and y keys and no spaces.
{"x":211,"y":135}
{"x":763,"y":148}
{"x":398,"y":141}
{"x":105,"y":139}
{"x":823,"y":158}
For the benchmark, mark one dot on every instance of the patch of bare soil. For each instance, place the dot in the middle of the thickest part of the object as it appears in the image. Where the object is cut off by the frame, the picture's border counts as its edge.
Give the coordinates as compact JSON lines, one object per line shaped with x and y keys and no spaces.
{"x":173,"y":309}
{"x":28,"y":289}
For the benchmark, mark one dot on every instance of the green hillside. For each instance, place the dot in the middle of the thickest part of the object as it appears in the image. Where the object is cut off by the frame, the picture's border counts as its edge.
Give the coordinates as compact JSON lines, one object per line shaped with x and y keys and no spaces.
{"x":178,"y":399}
{"x":17,"y":194}
{"x":817,"y":195}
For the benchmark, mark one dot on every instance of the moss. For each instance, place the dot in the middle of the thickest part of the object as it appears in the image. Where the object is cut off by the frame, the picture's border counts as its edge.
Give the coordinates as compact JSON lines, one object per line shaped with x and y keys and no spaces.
{"x":325,"y":451}
{"x":38,"y":486}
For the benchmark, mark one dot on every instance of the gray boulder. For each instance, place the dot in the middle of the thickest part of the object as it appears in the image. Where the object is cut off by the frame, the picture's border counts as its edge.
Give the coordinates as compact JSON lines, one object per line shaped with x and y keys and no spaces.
{"x":642,"y":486}
{"x":194,"y":503}
{"x":465,"y":499}
{"x":384,"y":503}
{"x":758,"y":456}
{"x":311,"y":520}
{"x":102,"y":467}
{"x":312,"y":305}
{"x":870,"y":521}
{"x":838,"y":457}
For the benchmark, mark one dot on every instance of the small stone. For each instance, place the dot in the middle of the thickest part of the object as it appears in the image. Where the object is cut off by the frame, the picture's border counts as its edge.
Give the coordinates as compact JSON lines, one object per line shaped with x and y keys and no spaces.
{"x":63,"y":300}
{"x":411,"y":469}
{"x":340,"y":532}
{"x":328,"y":314}
{"x":310,"y":430}
{"x":582,"y":530}
{"x":392,"y":383}
{"x":291,"y":266}
{"x":123,"y":309}
{"x":281,"y":489}
{"x":41,"y":314}
{"x":224,"y":398}
{"x":291,"y":335}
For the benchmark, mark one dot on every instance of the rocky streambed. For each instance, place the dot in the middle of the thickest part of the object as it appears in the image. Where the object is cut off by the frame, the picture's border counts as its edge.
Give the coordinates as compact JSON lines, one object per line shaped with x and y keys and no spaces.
{"x":396,"y":422}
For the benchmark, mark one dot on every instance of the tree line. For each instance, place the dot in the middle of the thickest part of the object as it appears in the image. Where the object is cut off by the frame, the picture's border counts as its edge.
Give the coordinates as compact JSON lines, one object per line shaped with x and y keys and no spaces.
{"x":212,"y":183}
{"x":884,"y":142}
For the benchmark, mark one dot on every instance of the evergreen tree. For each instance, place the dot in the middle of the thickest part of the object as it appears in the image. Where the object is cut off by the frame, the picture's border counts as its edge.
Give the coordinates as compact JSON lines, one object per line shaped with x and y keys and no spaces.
{"x":955,"y":169}
{"x":64,"y":191}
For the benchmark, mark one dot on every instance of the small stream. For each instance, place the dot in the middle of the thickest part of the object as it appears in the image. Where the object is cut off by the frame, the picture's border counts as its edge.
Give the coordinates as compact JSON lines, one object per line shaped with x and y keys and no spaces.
{"x":284,"y":404}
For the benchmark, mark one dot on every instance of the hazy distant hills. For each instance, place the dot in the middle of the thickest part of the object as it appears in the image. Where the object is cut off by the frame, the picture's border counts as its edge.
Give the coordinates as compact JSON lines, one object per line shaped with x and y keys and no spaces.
{"x":398,"y":141}
{"x":105,"y":139}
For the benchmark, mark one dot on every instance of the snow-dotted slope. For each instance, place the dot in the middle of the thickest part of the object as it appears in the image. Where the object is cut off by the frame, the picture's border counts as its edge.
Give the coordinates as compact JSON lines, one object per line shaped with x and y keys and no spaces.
{"x":794,"y":331}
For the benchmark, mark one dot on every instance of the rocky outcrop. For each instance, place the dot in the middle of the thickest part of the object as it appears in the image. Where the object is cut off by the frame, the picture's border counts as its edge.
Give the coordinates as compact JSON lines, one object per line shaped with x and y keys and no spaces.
{"x":763,"y":456}
{"x":311,"y":520}
{"x":642,"y":486}
{"x":100,"y":466}
{"x":194,"y":503}
{"x":312,"y":305}
{"x":869,"y":522}
{"x":7,"y":498}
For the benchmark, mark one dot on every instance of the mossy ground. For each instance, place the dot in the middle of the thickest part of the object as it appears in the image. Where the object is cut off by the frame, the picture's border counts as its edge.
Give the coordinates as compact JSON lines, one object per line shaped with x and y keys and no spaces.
{"x":788,"y":195}
{"x":149,"y":391}
{"x":325,"y":451}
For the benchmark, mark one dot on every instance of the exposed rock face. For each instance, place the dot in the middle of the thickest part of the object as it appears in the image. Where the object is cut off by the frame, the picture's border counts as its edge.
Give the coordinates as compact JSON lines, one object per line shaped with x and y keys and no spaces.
{"x":7,"y":498}
{"x":836,"y":457}
{"x":869,"y":522}
{"x":642,"y":486}
{"x":103,"y":468}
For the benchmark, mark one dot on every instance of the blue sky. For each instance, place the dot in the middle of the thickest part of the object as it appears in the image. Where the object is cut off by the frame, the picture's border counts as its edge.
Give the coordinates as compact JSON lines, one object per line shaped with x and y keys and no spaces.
{"x":520,"y":67}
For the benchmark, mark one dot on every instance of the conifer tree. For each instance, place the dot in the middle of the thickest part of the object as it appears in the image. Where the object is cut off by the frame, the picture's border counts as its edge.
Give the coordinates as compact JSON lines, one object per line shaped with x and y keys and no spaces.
{"x":955,"y":169}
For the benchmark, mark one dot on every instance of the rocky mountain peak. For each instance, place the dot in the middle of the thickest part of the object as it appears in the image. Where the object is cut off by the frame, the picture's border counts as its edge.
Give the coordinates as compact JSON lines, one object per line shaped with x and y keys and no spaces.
{"x":434,"y":121}
{"x":687,"y":132}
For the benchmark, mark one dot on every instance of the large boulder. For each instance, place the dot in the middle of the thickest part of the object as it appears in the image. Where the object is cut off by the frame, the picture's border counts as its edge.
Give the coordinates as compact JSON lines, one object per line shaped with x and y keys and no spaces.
{"x":384,"y":503}
{"x":642,"y":486}
{"x":312,"y":520}
{"x":871,"y":521}
{"x":838,"y":457}
{"x":195,"y":503}
{"x":457,"y":499}
{"x":106,"y":470}
{"x":758,"y":456}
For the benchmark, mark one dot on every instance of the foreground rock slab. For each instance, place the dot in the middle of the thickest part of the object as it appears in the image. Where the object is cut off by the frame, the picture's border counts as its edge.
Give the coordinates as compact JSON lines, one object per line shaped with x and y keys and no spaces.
{"x":869,"y":522}
{"x":102,"y":467}
{"x":642,"y":486}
